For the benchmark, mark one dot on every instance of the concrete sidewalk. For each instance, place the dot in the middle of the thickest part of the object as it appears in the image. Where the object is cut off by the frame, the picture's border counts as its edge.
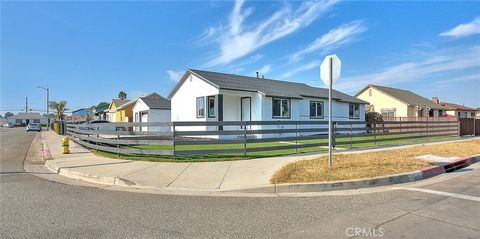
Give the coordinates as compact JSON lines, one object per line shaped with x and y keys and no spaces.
{"x":244,"y":175}
{"x":203,"y":176}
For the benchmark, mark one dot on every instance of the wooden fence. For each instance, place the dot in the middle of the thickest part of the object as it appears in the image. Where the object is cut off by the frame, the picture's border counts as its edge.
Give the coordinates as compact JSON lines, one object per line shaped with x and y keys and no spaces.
{"x":469,"y":126}
{"x":243,"y":137}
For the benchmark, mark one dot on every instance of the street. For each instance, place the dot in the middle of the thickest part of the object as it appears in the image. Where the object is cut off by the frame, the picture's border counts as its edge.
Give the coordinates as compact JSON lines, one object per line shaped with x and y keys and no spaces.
{"x":446,"y":206}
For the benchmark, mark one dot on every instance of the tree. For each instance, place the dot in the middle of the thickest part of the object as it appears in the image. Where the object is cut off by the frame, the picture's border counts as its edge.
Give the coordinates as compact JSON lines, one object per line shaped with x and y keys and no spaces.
{"x":122,"y":95}
{"x":102,"y":104}
{"x":8,"y":114}
{"x":373,"y":117}
{"x":60,"y":108}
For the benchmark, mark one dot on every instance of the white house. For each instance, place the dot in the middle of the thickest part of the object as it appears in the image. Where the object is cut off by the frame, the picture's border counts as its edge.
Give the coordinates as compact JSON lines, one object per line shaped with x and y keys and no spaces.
{"x":152,"y":108}
{"x":212,"y":96}
{"x":26,"y":118}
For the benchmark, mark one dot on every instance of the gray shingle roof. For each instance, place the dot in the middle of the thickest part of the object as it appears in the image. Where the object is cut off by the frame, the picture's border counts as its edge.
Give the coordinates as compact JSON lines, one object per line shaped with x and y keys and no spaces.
{"x":407,"y":97}
{"x":119,"y":102}
{"x":27,"y":116}
{"x":156,"y":102}
{"x":452,"y":106}
{"x":269,"y":87}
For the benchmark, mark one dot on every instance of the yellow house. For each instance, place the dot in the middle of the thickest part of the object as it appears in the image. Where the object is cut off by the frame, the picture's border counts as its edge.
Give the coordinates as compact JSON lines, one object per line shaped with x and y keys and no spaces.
{"x":112,"y":109}
{"x":393,"y":102}
{"x":124,"y":112}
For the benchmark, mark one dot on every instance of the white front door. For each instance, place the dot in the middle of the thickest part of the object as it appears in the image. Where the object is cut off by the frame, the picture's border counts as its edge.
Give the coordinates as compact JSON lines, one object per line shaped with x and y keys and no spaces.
{"x":246,"y":109}
{"x":144,"y":118}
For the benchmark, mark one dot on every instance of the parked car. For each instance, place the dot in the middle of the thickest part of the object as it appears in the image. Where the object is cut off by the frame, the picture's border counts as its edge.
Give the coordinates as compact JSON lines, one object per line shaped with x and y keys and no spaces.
{"x":34,"y":127}
{"x":8,"y":125}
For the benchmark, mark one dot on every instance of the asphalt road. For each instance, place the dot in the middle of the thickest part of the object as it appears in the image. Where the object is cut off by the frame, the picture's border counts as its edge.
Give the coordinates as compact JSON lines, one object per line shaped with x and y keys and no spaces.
{"x":32,"y":207}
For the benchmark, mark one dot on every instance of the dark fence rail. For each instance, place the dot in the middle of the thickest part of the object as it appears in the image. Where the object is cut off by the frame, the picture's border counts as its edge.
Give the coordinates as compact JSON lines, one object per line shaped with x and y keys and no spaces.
{"x":242,"y":137}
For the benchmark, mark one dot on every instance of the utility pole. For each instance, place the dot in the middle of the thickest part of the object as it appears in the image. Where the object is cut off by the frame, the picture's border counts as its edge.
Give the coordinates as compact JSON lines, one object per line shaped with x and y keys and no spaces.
{"x":26,"y":105}
{"x":48,"y":114}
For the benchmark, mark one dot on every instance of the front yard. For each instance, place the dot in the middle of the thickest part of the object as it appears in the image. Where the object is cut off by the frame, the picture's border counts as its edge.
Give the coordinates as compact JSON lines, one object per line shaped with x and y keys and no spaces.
{"x":373,"y":164}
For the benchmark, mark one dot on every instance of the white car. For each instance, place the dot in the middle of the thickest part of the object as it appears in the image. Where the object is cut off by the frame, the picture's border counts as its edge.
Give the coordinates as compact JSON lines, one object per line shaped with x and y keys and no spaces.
{"x":8,"y":125}
{"x":34,"y":127}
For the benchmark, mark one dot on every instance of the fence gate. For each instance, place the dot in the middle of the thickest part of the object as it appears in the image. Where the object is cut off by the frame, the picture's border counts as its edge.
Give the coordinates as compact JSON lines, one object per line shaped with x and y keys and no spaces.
{"x":467,"y":126}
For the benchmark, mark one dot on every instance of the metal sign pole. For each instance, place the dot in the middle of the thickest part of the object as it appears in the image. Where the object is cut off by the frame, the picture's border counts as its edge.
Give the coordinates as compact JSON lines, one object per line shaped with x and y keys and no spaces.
{"x":330,"y":115}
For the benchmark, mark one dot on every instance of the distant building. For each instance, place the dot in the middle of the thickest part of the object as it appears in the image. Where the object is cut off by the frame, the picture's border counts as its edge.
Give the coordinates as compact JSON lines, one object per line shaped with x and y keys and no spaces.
{"x":101,"y":112}
{"x":393,"y":102}
{"x":83,"y":111}
{"x":76,"y":117}
{"x":457,"y":110}
{"x":26,"y":118}
{"x":152,"y":108}
{"x":112,"y":114}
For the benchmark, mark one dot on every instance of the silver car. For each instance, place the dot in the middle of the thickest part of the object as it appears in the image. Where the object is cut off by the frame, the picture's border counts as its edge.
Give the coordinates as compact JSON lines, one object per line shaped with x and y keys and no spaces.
{"x":34,"y":127}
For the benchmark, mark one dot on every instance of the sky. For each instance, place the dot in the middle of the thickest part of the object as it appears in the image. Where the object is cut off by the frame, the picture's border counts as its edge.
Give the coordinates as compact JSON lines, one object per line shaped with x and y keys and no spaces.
{"x":86,"y":52}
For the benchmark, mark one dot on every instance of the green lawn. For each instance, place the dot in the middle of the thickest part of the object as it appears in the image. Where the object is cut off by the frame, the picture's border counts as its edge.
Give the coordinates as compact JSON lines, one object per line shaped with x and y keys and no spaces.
{"x":239,"y":156}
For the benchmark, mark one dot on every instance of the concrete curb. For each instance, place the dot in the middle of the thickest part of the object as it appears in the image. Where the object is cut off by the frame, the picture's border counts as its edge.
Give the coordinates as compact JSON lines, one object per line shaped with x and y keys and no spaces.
{"x":290,"y":187}
{"x":47,"y":155}
{"x":93,"y":178}
{"x":363,"y":183}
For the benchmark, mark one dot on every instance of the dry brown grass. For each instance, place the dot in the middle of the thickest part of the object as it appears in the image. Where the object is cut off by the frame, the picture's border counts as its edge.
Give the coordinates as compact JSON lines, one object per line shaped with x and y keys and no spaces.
{"x":368,"y":165}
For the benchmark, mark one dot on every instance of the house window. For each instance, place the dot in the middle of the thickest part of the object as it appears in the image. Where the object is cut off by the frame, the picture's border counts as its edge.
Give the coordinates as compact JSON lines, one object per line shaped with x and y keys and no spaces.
{"x":280,"y":108}
{"x":472,"y":114}
{"x":388,"y":113}
{"x":316,"y":109}
{"x":440,"y":112}
{"x":458,"y":114}
{"x":354,"y":111}
{"x":369,"y":92}
{"x":121,"y":116}
{"x":201,"y":107}
{"x":211,"y":107}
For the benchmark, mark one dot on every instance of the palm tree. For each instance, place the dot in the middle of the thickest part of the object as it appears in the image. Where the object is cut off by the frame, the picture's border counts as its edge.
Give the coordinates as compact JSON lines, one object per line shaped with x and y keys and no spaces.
{"x":60,"y":108}
{"x":122,"y":95}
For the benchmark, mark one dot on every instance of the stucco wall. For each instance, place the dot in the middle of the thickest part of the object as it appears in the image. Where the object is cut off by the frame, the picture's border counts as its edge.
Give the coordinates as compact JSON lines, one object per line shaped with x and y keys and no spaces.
{"x":184,"y":101}
{"x":380,"y":101}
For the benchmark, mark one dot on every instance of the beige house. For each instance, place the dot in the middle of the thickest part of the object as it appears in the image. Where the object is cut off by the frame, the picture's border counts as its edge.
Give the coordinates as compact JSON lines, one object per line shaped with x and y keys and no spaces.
{"x":393,"y":102}
{"x":459,"y":111}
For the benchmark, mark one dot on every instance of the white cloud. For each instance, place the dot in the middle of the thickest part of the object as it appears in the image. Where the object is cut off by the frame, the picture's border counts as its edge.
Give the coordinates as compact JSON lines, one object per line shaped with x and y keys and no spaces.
{"x":465,"y":78}
{"x":309,"y":66}
{"x":239,"y":39}
{"x":333,"y":39}
{"x":464,"y":30}
{"x":175,"y":75}
{"x":448,"y":61}
{"x":265,"y":69}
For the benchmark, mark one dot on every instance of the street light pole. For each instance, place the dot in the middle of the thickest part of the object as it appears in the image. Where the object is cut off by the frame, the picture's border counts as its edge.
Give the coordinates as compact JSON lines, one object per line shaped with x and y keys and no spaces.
{"x":48,"y":115}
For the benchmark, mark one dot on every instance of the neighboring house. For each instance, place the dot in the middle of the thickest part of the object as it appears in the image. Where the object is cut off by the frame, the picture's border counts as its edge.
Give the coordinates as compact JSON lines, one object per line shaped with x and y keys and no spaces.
{"x":101,"y":112}
{"x":22,"y":119}
{"x":212,"y":96}
{"x":112,"y":109}
{"x":76,"y":117}
{"x":393,"y":102}
{"x":459,"y":111}
{"x":83,"y":111}
{"x":478,"y":113}
{"x":3,"y":121}
{"x":124,"y":112}
{"x":152,"y":108}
